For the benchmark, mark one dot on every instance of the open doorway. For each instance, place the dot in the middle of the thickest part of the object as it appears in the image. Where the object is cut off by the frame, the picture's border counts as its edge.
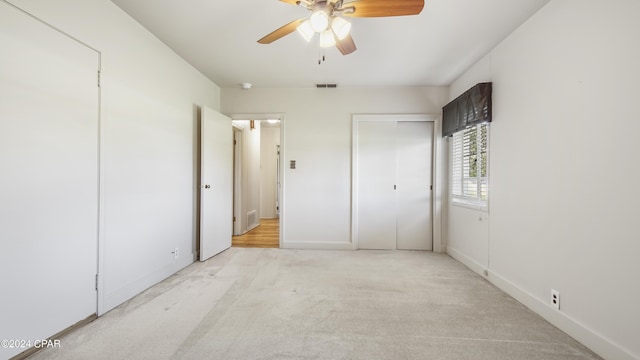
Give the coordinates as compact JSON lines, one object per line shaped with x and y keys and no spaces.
{"x":257,"y":182}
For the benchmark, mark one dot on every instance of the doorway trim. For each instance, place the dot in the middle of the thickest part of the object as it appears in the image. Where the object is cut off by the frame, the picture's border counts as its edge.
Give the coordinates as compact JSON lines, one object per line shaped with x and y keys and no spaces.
{"x":437,"y":162}
{"x":272,"y":116}
{"x":237,"y":176}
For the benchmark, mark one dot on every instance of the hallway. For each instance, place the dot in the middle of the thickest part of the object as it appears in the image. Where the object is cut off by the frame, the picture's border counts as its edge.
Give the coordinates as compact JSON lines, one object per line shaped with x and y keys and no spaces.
{"x":266,"y":235}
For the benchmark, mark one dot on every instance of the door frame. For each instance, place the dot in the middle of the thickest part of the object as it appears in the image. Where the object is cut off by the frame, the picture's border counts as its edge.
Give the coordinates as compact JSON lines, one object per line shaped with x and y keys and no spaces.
{"x":281,"y":117}
{"x":436,"y":163}
{"x":237,"y":177}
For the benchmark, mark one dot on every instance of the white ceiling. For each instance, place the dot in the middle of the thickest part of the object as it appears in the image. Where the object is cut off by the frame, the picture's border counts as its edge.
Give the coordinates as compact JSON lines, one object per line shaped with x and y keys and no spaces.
{"x":219,"y":38}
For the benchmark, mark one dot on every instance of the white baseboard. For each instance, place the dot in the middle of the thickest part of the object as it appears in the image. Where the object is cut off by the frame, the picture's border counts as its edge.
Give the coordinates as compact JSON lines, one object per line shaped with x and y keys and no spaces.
{"x":302,"y":245}
{"x":574,"y":328}
{"x":467,"y":261}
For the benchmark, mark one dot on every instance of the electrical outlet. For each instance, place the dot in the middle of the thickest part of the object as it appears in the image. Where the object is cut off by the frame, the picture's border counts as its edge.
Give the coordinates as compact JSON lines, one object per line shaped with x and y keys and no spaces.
{"x":555,"y":299}
{"x":175,"y":253}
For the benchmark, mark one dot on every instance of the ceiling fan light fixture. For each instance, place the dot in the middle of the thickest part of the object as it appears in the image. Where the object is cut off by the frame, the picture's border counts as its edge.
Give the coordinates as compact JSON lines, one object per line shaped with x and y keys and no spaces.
{"x":327,"y":39}
{"x":306,"y":30}
{"x":319,"y":21}
{"x":340,"y":27}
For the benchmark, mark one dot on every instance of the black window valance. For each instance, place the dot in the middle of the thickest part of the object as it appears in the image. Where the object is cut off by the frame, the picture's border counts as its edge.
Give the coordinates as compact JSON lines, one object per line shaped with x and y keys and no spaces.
{"x":471,"y":108}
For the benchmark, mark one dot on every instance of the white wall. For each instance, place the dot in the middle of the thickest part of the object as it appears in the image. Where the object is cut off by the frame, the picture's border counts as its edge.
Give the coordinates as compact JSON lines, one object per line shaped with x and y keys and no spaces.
{"x":269,"y":140}
{"x":317,"y":134}
{"x":563,"y":169}
{"x":149,"y":159}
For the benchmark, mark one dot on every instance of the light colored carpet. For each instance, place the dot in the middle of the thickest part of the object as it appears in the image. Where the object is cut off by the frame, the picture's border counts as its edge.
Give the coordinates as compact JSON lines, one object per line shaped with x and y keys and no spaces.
{"x":294,"y":304}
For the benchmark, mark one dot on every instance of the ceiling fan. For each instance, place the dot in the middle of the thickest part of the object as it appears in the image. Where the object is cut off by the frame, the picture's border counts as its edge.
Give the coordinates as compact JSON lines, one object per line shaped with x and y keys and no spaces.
{"x":328,"y":19}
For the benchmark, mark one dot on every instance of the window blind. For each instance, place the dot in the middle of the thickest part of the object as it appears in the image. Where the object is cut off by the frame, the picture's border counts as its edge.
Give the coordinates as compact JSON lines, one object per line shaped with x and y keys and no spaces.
{"x":471,"y":108}
{"x":469,"y":164}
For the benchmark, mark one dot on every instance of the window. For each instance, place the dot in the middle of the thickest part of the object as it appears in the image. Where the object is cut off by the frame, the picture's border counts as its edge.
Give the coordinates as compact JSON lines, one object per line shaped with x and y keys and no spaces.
{"x":469,"y":165}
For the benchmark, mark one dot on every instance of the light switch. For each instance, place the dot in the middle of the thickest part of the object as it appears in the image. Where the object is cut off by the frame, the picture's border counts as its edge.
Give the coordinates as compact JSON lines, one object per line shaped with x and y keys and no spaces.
{"x":292,"y":164}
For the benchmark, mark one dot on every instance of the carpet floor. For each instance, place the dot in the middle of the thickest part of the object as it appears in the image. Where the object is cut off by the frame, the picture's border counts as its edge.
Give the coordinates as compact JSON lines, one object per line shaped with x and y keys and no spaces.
{"x":303,"y":304}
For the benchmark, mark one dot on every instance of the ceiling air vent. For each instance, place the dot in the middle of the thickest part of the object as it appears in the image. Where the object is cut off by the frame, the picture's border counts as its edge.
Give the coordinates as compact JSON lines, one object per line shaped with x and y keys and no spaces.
{"x":326,"y":86}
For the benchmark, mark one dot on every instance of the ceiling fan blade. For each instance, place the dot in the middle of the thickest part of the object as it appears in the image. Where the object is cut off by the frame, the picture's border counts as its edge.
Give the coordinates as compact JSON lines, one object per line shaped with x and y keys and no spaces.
{"x":346,"y":45}
{"x":292,"y":2}
{"x":382,"y":8}
{"x":282,"y":31}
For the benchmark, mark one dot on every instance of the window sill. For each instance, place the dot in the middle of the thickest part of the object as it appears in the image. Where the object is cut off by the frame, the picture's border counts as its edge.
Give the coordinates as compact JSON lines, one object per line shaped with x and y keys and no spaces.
{"x":474,"y":205}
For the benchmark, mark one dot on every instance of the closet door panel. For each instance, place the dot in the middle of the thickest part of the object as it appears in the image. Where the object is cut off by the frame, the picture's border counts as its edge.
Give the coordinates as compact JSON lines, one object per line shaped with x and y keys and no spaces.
{"x":415,"y":149}
{"x":377,"y":164}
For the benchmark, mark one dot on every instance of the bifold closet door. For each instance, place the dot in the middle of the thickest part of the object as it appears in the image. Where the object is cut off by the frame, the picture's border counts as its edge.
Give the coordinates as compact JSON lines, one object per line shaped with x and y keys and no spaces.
{"x":377,"y":162}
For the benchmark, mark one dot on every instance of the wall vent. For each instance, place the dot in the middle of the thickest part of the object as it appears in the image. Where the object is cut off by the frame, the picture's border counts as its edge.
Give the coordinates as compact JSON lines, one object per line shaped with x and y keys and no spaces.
{"x":326,"y":86}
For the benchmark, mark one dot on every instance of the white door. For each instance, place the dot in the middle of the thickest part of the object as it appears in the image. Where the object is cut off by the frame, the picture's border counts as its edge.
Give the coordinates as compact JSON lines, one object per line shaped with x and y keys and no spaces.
{"x":393,"y":183}
{"x":216,"y":183}
{"x":376,"y":187}
{"x":48,"y":179}
{"x":414,"y":228}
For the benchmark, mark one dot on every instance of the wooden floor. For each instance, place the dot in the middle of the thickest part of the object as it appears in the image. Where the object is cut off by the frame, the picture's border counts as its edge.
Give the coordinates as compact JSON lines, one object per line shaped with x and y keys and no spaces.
{"x":266,"y":235}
